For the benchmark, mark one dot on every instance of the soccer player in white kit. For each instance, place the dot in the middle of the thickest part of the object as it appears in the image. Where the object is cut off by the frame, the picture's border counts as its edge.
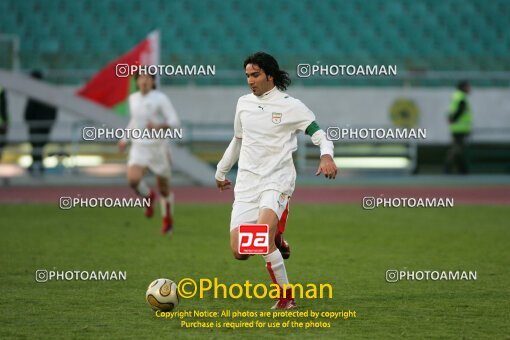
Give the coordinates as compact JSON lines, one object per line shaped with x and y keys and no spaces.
{"x":265,"y":127}
{"x":151,"y":109}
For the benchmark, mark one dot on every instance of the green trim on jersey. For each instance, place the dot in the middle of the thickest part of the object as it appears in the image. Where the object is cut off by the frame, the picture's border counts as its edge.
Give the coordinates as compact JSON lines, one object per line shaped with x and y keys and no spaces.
{"x":312,"y":128}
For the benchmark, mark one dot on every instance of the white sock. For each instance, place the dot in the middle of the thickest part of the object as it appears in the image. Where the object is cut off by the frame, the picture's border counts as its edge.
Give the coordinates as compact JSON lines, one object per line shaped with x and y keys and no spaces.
{"x":143,"y":189}
{"x":167,"y":205}
{"x":276,"y":268}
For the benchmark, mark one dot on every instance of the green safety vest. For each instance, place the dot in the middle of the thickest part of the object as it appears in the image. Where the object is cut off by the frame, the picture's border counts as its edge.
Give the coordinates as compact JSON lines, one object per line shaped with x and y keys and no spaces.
{"x":463,"y":124}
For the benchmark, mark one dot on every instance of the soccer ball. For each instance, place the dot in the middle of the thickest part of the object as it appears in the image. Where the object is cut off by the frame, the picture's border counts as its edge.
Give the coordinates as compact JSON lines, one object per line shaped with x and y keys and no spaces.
{"x":162,"y":295}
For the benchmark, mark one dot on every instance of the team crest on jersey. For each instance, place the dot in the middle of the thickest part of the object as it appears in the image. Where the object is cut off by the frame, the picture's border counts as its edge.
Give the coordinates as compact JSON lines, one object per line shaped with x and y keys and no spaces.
{"x":277,"y":117}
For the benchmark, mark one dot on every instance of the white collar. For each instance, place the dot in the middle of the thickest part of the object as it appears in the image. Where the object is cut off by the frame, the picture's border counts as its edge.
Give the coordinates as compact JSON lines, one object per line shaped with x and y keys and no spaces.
{"x":269,"y":94}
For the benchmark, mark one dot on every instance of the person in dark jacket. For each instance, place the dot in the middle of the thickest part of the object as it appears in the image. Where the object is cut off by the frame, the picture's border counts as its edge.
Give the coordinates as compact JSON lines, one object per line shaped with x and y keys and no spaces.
{"x":39,"y":118}
{"x":4,"y":119}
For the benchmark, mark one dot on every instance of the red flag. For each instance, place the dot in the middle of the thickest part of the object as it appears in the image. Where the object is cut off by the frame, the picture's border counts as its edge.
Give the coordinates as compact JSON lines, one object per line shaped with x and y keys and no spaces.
{"x":112,"y":91}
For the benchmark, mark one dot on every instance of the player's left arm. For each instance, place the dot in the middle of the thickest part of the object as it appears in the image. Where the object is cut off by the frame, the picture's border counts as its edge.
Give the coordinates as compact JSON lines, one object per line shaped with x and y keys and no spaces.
{"x":327,"y":165}
{"x":171,"y":120}
{"x":305,"y":121}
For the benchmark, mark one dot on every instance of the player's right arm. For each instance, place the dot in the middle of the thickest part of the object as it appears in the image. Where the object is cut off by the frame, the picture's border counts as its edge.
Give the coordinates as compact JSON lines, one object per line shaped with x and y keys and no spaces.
{"x":231,"y":155}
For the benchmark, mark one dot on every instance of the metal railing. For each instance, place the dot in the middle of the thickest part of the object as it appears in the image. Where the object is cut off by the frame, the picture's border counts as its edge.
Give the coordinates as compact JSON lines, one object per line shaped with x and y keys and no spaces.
{"x":68,"y":144}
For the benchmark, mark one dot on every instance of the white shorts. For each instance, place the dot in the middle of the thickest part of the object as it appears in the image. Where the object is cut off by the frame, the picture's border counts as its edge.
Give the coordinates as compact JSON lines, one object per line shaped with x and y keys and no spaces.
{"x":248,"y":212}
{"x":156,"y":157}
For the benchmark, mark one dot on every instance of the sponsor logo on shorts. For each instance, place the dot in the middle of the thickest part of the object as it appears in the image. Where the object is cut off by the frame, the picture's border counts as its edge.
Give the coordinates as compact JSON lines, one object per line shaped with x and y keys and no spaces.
{"x":253,"y":239}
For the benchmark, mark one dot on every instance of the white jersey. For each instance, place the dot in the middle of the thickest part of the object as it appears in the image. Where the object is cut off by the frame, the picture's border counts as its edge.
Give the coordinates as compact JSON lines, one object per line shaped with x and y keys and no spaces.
{"x":152,"y":107}
{"x":268,"y":126}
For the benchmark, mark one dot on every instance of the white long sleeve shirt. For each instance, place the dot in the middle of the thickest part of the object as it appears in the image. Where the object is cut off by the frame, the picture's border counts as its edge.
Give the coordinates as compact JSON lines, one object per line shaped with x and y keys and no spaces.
{"x":153,"y":107}
{"x":267,"y":126}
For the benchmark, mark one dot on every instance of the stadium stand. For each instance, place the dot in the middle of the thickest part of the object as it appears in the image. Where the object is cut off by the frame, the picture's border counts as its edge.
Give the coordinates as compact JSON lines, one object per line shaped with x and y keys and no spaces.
{"x":427,"y":35}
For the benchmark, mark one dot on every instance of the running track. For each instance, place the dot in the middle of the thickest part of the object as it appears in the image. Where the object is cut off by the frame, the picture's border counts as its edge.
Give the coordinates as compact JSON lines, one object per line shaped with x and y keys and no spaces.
{"x":464,"y":195}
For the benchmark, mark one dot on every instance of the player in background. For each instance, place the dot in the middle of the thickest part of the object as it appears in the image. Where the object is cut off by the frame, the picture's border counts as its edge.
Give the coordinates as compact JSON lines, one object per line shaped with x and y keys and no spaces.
{"x":265,"y":127}
{"x":151,"y":109}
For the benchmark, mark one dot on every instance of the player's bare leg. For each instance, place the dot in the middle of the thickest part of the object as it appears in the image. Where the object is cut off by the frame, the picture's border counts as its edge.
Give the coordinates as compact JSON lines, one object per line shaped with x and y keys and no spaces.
{"x":234,"y":244}
{"x":274,"y":260}
{"x":135,"y":175}
{"x":167,"y":203}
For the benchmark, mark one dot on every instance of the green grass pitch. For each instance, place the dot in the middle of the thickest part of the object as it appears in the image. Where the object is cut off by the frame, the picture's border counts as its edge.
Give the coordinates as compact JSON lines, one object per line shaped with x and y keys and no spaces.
{"x":340,"y":244}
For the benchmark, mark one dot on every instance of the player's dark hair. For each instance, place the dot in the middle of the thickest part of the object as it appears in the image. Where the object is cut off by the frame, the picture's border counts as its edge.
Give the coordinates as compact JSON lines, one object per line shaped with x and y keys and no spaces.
{"x":140,"y":73}
{"x":270,"y":66}
{"x":462,"y":85}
